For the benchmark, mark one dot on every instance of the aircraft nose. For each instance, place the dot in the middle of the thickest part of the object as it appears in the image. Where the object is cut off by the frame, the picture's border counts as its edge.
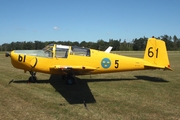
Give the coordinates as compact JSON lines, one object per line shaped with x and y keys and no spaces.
{"x":7,"y":54}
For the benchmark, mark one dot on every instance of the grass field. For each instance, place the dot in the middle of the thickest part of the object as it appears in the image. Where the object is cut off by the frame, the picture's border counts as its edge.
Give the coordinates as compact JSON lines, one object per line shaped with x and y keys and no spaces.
{"x":125,"y":95}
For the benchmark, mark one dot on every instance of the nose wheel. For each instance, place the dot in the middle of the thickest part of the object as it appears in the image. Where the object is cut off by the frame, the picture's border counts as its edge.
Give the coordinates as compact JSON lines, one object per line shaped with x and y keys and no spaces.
{"x":32,"y":78}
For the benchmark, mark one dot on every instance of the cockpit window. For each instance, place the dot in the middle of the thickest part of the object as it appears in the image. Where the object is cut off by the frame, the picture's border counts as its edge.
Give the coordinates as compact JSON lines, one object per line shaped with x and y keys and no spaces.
{"x":62,"y":51}
{"x":48,"y":50}
{"x":80,"y":51}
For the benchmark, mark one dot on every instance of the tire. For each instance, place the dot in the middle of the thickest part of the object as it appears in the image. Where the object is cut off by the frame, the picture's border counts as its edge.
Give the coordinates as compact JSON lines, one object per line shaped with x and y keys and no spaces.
{"x":70,"y":81}
{"x":32,"y":79}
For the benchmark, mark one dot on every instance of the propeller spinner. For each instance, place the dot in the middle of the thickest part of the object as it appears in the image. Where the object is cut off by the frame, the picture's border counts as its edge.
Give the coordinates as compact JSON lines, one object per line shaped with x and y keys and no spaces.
{"x":7,"y":54}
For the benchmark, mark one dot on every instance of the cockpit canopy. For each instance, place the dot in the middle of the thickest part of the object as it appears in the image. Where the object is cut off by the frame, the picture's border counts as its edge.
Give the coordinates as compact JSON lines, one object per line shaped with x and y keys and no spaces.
{"x":58,"y":51}
{"x":62,"y":51}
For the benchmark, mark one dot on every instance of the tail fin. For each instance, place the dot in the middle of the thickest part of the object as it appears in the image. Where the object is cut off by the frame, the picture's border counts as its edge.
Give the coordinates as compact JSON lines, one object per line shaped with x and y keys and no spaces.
{"x":156,"y":55}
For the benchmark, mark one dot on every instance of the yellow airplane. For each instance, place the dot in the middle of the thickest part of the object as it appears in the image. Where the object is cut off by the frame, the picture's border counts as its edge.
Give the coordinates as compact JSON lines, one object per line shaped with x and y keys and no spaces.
{"x":69,"y":61}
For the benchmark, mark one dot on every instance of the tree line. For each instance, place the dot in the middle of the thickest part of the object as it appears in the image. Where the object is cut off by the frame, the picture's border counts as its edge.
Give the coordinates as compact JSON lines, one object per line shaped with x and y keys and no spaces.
{"x":137,"y":44}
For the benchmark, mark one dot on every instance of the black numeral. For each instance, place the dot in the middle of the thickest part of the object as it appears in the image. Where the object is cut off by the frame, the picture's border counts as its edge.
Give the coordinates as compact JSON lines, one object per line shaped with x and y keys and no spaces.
{"x":157,"y":53}
{"x":22,"y":58}
{"x":151,"y":53}
{"x":116,"y":63}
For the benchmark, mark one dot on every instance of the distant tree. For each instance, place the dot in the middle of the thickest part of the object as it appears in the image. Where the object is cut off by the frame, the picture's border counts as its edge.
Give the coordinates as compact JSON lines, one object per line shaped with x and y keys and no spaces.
{"x":175,"y":41}
{"x":172,"y":43}
{"x":38,"y":45}
{"x":13,"y":45}
{"x":29,"y":46}
{"x":125,"y":46}
{"x":115,"y":44}
{"x":92,"y":45}
{"x":75,"y":43}
{"x":168,"y":41}
{"x":6,"y":47}
{"x":139,"y":44}
{"x":102,"y":45}
{"x":83,"y":44}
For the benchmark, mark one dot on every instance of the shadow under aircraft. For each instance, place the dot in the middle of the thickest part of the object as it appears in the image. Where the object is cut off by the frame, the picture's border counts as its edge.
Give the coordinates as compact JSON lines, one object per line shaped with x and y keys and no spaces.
{"x":80,"y":92}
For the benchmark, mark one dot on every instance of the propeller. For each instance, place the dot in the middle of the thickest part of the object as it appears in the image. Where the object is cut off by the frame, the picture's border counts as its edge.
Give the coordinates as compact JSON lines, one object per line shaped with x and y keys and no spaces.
{"x":7,"y":54}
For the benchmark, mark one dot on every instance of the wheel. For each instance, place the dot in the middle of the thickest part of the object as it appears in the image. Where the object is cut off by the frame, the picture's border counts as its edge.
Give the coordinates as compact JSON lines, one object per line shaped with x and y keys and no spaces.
{"x":32,"y":79}
{"x":70,"y":80}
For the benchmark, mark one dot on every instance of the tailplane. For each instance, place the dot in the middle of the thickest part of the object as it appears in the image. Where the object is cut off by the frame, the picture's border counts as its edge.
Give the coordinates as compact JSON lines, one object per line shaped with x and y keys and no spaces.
{"x":108,"y":50}
{"x":156,"y":56}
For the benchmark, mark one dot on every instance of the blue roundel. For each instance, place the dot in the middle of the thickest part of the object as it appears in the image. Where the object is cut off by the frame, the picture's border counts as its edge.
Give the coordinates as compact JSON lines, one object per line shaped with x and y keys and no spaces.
{"x":105,"y":63}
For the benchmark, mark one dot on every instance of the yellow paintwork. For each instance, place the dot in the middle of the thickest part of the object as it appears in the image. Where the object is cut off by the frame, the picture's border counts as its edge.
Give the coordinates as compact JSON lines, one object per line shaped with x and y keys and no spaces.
{"x":155,"y":57}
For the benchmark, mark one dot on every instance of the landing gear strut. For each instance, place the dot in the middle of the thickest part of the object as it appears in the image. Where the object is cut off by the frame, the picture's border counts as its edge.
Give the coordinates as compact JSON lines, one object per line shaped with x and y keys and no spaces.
{"x":32,"y":78}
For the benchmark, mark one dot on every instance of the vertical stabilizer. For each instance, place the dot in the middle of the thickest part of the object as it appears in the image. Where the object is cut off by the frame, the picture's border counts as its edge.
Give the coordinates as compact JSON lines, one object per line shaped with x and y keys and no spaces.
{"x":156,"y":54}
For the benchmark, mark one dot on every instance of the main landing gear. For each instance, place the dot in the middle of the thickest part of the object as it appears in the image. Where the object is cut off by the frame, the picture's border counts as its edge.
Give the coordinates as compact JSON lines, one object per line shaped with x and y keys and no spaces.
{"x":69,"y":78}
{"x":32,"y":78}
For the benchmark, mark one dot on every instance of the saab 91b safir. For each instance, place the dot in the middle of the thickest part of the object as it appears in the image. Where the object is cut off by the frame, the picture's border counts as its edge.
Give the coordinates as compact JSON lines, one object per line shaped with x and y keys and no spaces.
{"x":69,"y":61}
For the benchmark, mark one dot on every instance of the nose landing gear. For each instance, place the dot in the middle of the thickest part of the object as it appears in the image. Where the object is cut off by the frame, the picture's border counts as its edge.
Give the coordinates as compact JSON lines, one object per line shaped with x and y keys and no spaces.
{"x":32,"y":78}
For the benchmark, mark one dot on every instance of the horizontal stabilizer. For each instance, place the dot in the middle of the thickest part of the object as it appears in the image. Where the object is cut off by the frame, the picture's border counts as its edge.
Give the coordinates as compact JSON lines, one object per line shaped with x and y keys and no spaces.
{"x":108,"y":50}
{"x":157,"y":67}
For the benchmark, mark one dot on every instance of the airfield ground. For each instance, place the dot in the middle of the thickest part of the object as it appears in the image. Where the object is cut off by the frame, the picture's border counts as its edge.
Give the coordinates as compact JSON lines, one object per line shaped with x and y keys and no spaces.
{"x":126,"y":95}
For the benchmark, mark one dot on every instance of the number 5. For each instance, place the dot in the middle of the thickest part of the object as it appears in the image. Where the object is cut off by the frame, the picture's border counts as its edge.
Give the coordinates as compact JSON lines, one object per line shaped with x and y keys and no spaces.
{"x":116,"y":63}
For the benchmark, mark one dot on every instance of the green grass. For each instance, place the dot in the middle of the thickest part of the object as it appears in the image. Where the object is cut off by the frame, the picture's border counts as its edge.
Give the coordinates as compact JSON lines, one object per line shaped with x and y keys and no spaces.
{"x":126,"y":95}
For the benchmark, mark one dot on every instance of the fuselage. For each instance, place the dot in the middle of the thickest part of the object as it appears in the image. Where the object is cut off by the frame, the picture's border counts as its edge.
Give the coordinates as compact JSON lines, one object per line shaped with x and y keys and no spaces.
{"x":102,"y":62}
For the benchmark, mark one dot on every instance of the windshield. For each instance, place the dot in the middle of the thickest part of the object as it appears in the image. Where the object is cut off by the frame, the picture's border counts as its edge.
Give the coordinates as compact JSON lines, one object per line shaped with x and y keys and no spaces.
{"x":45,"y":52}
{"x":48,"y":50}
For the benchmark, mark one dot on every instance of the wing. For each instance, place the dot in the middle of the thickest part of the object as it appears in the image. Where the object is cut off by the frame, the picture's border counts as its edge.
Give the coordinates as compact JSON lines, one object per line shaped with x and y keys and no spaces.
{"x":75,"y":69}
